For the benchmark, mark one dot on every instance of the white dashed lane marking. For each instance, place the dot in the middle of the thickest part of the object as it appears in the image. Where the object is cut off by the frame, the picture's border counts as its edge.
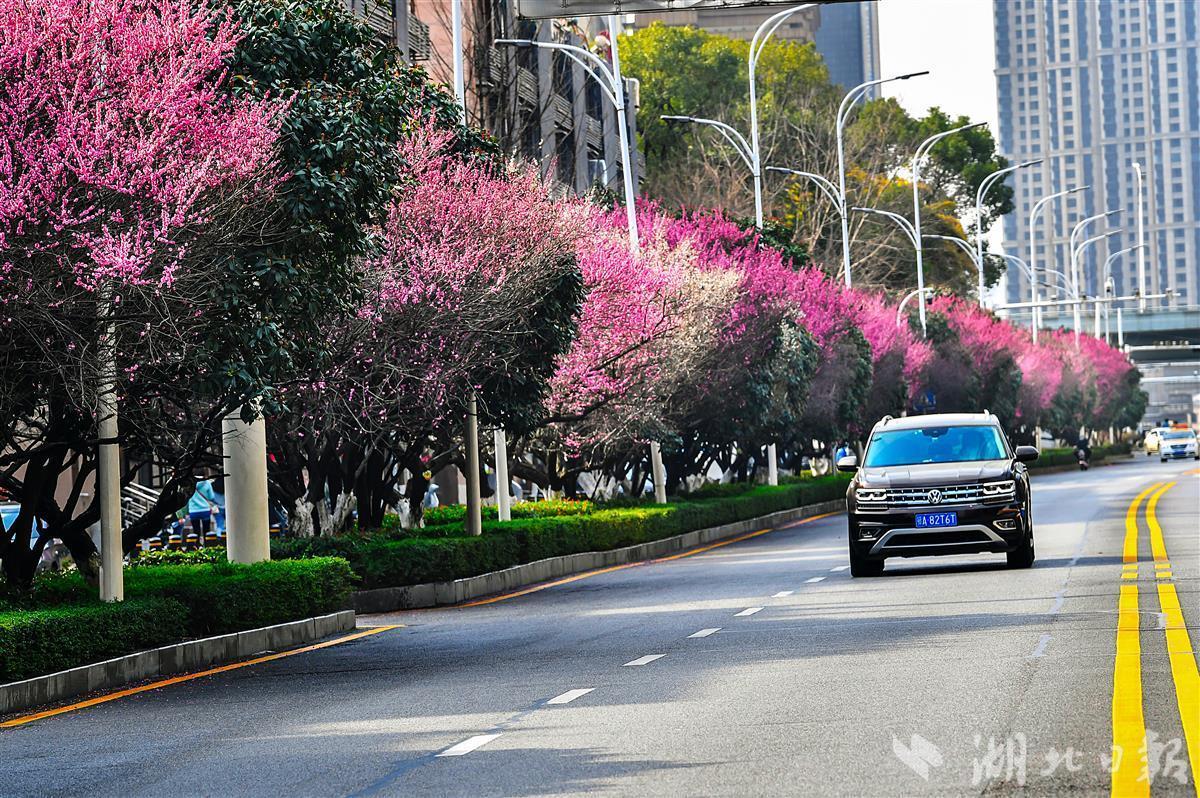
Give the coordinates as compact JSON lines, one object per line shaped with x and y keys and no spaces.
{"x":468,"y":745}
{"x":814,"y":579}
{"x":570,"y":695}
{"x":783,"y":594}
{"x":748,"y":611}
{"x":839,"y":568}
{"x":705,"y":632}
{"x":643,"y":660}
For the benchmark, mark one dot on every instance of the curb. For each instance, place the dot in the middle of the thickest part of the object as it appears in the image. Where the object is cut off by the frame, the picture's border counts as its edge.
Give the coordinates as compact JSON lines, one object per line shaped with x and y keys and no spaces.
{"x":179,"y":658}
{"x":439,"y":594}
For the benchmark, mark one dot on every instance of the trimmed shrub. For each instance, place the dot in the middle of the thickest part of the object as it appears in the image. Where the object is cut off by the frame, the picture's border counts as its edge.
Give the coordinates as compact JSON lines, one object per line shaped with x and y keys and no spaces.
{"x":446,"y":554}
{"x":224,"y":597}
{"x":33,"y":642}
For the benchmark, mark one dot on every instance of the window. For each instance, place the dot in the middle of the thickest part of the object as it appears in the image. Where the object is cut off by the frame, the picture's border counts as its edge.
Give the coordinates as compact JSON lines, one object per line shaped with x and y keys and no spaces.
{"x":935,"y":445}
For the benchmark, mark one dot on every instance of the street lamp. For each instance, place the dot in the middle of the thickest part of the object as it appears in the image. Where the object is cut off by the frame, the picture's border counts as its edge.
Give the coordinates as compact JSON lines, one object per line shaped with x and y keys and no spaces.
{"x":757,"y":43}
{"x":613,"y":88}
{"x":826,"y":186}
{"x":905,"y":301}
{"x":1033,"y":286}
{"x":911,"y":233}
{"x":1141,"y":234}
{"x":976,"y":259}
{"x":979,"y":195}
{"x":923,"y":150}
{"x":848,"y":102}
{"x":1075,"y":270}
{"x":750,"y":152}
{"x":1082,"y":223}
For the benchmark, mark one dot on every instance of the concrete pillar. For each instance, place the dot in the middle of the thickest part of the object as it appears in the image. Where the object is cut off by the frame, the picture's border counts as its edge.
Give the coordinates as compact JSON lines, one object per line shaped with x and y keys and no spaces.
{"x":108,"y":468}
{"x":503,"y":483}
{"x":658,"y":474}
{"x":247,"y":522}
{"x":474,"y":514}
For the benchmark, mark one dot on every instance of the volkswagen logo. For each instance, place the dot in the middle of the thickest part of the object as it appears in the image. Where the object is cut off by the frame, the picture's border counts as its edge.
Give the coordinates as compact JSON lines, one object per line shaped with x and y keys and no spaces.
{"x":934,"y":496}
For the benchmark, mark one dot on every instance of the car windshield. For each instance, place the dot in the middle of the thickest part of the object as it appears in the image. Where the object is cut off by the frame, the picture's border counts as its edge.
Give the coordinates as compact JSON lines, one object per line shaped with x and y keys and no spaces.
{"x":1179,"y":434}
{"x":935,"y":445}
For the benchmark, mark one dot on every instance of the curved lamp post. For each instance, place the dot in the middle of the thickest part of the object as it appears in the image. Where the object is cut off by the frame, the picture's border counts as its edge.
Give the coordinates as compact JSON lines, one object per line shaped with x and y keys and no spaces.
{"x":923,"y":150}
{"x":750,"y":152}
{"x":847,"y":104}
{"x":911,"y":233}
{"x":976,"y":258}
{"x":984,"y":187}
{"x":1033,"y":284}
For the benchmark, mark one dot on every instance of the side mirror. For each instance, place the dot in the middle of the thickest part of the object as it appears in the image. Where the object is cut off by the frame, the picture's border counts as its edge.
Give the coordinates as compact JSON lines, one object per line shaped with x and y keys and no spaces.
{"x":847,"y":463}
{"x":1027,"y":454}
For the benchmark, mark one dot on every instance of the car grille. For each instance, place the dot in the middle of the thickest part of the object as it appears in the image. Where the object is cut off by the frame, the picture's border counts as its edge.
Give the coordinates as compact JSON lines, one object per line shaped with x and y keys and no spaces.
{"x":948,"y":538}
{"x":951,"y":494}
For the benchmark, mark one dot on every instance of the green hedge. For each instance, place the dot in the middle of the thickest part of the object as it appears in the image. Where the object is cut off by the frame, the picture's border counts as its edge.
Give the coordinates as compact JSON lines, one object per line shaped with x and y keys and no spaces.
{"x":63,"y":624}
{"x":34,"y":642}
{"x":1050,"y":458}
{"x":383,"y":561}
{"x":457,"y":513}
{"x":224,"y":597}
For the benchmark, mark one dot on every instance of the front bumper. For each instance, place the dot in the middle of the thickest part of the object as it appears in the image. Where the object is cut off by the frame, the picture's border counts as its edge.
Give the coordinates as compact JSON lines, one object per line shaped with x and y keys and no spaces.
{"x":878,"y":534}
{"x":1178,"y":454}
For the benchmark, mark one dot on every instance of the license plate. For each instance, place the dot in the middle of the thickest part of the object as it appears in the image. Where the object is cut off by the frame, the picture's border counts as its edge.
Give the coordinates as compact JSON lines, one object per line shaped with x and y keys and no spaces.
{"x":927,"y":520}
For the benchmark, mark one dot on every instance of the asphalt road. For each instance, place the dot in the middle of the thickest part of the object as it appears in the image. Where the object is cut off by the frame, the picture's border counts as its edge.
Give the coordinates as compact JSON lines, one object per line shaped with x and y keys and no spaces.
{"x":757,"y":668}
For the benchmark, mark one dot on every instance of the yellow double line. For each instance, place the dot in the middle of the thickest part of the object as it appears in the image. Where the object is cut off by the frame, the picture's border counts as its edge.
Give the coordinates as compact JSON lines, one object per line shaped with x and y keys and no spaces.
{"x":1130,"y":772}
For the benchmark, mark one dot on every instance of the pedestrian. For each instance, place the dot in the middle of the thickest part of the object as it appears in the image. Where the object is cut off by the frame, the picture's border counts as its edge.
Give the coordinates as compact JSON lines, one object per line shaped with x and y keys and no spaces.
{"x":843,"y":450}
{"x":200,"y":509}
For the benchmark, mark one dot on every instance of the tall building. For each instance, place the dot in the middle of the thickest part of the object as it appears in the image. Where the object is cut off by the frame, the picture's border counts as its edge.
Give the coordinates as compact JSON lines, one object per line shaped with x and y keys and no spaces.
{"x":848,"y":39}
{"x":1093,"y":87}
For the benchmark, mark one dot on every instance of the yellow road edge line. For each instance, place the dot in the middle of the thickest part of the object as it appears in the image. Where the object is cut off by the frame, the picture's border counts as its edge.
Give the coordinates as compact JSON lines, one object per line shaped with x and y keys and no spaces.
{"x":187,"y":677}
{"x":1157,"y":548}
{"x":1128,"y":720}
{"x":1180,"y":653}
{"x":1130,"y":553}
{"x":587,"y":574}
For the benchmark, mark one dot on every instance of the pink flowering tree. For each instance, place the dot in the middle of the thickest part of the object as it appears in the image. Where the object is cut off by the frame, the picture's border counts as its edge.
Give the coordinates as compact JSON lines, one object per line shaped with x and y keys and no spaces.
{"x":899,"y":357}
{"x":128,"y":176}
{"x":475,"y":291}
{"x":975,"y":365}
{"x":768,"y":355}
{"x":649,"y":331}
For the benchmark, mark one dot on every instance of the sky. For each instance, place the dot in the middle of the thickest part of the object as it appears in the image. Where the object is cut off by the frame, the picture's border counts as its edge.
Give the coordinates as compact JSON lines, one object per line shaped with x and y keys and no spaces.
{"x":953,"y":40}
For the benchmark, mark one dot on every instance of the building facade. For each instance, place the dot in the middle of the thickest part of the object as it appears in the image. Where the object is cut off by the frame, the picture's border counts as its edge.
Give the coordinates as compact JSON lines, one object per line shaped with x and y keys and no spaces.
{"x":538,"y":104}
{"x":848,"y":40}
{"x":1093,"y":88}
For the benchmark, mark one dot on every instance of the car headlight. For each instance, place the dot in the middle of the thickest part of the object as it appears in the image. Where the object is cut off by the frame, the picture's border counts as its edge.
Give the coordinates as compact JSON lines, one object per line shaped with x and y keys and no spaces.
{"x":871,"y":494}
{"x":999,"y":488}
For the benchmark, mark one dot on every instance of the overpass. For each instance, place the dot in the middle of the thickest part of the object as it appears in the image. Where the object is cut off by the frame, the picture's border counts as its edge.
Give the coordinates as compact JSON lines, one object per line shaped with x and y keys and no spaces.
{"x":1164,"y":342}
